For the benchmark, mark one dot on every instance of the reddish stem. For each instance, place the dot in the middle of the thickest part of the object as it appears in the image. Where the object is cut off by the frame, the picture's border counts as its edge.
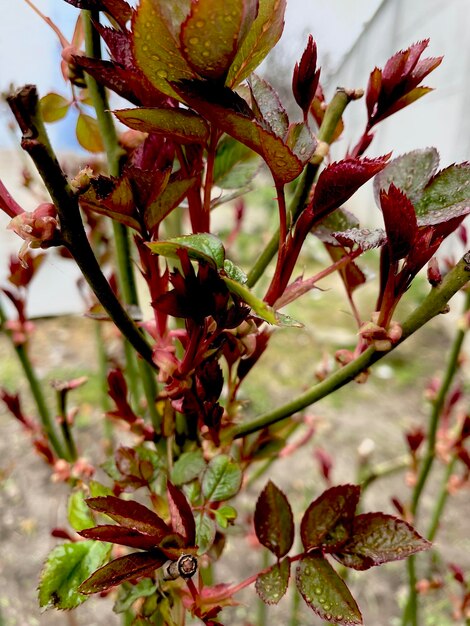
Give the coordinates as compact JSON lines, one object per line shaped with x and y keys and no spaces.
{"x":8,"y":203}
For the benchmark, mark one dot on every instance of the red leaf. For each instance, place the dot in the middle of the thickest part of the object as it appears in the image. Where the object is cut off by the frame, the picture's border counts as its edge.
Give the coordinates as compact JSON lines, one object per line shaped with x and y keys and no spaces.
{"x":340,"y":180}
{"x":378,"y":538}
{"x":328,"y":520}
{"x":121,"y":535}
{"x":274,"y":522}
{"x":130,"y":514}
{"x":400,"y":222}
{"x":127,"y":567}
{"x":306,"y":77}
{"x":182,"y":518}
{"x":232,"y":115}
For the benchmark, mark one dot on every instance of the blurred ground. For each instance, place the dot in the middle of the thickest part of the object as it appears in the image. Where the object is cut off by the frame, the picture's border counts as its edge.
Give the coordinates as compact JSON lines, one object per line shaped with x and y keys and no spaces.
{"x":30,"y":504}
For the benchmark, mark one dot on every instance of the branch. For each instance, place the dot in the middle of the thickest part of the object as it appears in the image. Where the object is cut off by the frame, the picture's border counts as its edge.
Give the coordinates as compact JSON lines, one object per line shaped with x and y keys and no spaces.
{"x":325,"y":134}
{"x":24,"y":104}
{"x":432,"y":305}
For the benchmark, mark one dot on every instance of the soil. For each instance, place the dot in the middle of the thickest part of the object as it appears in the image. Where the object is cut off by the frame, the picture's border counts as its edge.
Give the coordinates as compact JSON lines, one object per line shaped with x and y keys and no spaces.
{"x":31,"y":504}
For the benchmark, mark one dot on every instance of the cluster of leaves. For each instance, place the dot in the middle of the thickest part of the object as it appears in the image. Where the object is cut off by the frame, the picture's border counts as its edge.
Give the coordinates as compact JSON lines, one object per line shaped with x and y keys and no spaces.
{"x":202,"y":119}
{"x":329,"y":526}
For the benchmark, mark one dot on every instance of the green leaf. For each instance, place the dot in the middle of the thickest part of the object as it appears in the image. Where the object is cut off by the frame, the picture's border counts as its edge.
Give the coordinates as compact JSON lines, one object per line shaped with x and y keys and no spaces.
{"x":261,"y":38}
{"x":156,"y":46}
{"x":169,"y":199}
{"x":222,"y":479}
{"x":78,"y":513}
{"x":205,"y":532}
{"x":274,"y":522}
{"x":200,"y":247}
{"x":88,"y":133}
{"x":54,"y":107}
{"x":235,"y":164}
{"x":268,"y":107}
{"x":378,"y":538}
{"x":328,"y":520}
{"x":97,"y":489}
{"x":325,"y":592}
{"x":272,"y":585}
{"x":225,"y":515}
{"x":446,"y":196}
{"x":409,"y":172}
{"x":180,"y":124}
{"x":234,"y":272}
{"x":301,"y":141}
{"x":337,"y":221}
{"x":211,"y":34}
{"x":128,"y":594}
{"x":259,"y":307}
{"x":188,"y":467}
{"x":67,"y":566}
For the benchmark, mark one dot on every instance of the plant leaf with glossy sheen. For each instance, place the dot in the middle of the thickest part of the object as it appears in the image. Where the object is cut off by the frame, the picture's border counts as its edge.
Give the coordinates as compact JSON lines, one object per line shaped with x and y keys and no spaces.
{"x":222,"y":479}
{"x":88,"y":133}
{"x":272,"y":585}
{"x":171,"y":197}
{"x":363,"y":238}
{"x":136,"y":565}
{"x":268,"y":107}
{"x":180,"y":124}
{"x":409,"y":172}
{"x":188,"y":467}
{"x":130,"y":514}
{"x":340,"y":180}
{"x":301,"y":141}
{"x":54,"y":107}
{"x":200,"y":247}
{"x":78,"y":513}
{"x":274,"y":522}
{"x":121,"y":535}
{"x":259,"y":307}
{"x":378,"y":538}
{"x":261,"y":38}
{"x":205,"y":532}
{"x":325,"y":592}
{"x":328,"y":520}
{"x":400,"y":222}
{"x":66,"y":567}
{"x":212,"y":32}
{"x":338,"y":221}
{"x":235,"y":164}
{"x":231,"y":114}
{"x":446,"y":196}
{"x":155,"y":41}
{"x":182,"y":519}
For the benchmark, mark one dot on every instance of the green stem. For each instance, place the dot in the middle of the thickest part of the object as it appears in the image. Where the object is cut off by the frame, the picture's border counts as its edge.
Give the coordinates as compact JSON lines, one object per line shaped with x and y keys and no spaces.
{"x":432,"y":305}
{"x":441,"y":500}
{"x":325,"y":134}
{"x":65,"y":427}
{"x":410,"y":612}
{"x":438,"y":404}
{"x":125,"y":270}
{"x":36,"y":391}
